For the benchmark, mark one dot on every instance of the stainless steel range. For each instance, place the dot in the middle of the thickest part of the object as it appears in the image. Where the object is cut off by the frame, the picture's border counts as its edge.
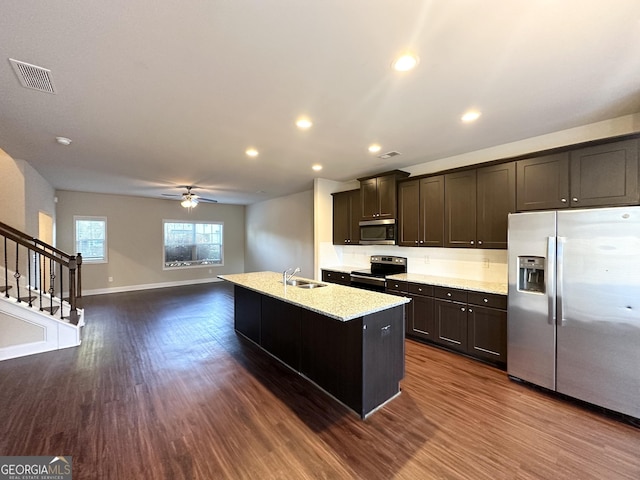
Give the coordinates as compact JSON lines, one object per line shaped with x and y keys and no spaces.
{"x":373,"y":278}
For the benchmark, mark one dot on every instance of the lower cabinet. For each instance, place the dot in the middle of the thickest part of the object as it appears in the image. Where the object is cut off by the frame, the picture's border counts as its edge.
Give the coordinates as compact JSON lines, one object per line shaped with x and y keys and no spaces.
{"x":468,"y":322}
{"x":333,"y":276}
{"x":360,"y":362}
{"x":280,"y":330}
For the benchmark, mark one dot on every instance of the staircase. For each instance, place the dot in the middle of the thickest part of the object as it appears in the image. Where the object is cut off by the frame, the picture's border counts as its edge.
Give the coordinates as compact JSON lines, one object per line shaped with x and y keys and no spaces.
{"x":39,"y":290}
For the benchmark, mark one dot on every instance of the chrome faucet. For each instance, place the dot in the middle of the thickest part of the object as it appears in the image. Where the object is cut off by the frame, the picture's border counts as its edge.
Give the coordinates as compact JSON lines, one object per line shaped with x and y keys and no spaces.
{"x":286,"y":276}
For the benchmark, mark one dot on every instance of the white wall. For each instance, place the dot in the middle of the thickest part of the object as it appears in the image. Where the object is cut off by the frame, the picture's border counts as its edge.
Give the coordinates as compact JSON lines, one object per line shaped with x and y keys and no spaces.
{"x":280,"y":234}
{"x":474,"y":264}
{"x":135,"y":238}
{"x":12,"y":192}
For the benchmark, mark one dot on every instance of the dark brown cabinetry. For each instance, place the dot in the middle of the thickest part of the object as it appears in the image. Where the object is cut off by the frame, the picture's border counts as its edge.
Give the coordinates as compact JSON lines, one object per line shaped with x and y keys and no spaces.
{"x":468,"y":322}
{"x":487,"y":327}
{"x":346,"y":216}
{"x":451,"y":318}
{"x":360,"y":361}
{"x":280,"y":330}
{"x":496,"y":199}
{"x":596,"y":176}
{"x":460,"y":209}
{"x":378,"y":195}
{"x":605,"y":175}
{"x":332,"y":276}
{"x":421,"y":212}
{"x":248,"y":312}
{"x":477,"y":205}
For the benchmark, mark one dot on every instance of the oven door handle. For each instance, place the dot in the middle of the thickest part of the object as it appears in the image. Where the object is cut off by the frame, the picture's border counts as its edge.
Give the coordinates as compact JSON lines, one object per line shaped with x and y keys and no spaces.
{"x":369,"y":280}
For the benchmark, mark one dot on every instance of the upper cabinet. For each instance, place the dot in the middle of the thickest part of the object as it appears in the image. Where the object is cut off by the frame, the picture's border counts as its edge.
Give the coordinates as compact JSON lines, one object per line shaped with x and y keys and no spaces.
{"x":597,"y":176}
{"x":346,"y":216}
{"x":605,"y":175}
{"x":378,"y":195}
{"x":496,"y":199}
{"x":421,"y":212}
{"x":477,"y":205}
{"x":460,"y":209}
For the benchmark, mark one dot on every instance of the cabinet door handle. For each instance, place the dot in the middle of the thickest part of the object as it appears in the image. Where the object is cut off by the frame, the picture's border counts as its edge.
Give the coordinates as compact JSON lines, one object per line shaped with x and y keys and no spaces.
{"x":419,"y":289}
{"x":485,"y":300}
{"x":416,"y":241}
{"x":462,"y":309}
{"x":471,"y":242}
{"x":421,"y":241}
{"x":470,"y":311}
{"x":574,"y":199}
{"x":563,"y":200}
{"x":448,"y":294}
{"x":479,"y":242}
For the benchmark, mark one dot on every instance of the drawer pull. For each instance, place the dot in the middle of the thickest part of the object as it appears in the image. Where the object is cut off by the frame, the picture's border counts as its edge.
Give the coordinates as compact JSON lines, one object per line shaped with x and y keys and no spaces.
{"x":448,"y":294}
{"x":485,"y":300}
{"x":462,"y":309}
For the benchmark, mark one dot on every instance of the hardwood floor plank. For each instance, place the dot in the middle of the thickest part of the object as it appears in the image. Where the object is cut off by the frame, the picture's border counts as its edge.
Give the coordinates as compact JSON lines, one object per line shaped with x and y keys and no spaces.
{"x":163,"y":388}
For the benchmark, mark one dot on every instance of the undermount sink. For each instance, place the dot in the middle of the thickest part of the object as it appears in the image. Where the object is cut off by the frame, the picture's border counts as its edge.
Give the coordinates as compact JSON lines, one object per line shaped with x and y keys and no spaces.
{"x":304,"y":284}
{"x":311,"y":285}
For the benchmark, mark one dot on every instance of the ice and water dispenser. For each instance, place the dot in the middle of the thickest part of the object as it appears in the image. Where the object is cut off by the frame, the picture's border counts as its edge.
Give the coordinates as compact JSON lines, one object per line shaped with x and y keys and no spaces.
{"x":531,"y":274}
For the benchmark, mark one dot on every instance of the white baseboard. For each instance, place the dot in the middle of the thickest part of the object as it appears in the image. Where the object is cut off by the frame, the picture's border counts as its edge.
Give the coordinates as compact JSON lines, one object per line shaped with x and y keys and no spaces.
{"x":146,"y":286}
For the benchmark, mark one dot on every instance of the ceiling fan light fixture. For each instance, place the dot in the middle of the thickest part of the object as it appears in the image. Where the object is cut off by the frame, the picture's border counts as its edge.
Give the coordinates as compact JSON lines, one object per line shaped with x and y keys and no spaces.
{"x":189,"y":201}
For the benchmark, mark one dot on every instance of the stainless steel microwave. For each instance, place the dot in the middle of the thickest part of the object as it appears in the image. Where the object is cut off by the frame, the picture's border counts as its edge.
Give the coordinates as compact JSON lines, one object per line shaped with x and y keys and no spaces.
{"x":378,"y":232}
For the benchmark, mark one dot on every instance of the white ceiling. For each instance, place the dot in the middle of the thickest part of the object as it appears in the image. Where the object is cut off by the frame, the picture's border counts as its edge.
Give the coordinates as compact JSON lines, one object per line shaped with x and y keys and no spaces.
{"x":156,"y":94}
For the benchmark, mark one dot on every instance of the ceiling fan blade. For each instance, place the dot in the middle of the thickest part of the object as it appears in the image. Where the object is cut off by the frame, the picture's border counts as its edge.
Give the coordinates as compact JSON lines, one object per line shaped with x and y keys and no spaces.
{"x":171,"y":195}
{"x":210,"y":200}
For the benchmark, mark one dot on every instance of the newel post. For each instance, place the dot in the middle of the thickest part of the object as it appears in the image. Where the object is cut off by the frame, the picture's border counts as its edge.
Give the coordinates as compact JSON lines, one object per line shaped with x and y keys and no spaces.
{"x":72,"y":282}
{"x":79,"y":277}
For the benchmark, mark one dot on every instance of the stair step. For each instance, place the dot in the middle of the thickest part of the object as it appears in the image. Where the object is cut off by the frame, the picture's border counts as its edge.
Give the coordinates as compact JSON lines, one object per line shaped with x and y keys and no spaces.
{"x":27,"y":299}
{"x":51,"y":310}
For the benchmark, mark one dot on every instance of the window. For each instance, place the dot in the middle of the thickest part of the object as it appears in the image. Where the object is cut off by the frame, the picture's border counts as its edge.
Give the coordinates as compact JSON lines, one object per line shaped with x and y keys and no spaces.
{"x":192,"y":244}
{"x":91,"y":238}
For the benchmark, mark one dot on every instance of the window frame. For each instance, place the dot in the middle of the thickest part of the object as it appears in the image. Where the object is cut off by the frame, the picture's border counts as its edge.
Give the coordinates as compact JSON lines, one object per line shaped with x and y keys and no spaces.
{"x":193,"y":223}
{"x":105,"y":252}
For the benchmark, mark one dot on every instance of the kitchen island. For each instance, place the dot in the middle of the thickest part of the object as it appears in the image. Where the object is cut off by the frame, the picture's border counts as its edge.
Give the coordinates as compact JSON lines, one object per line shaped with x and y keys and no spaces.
{"x":347,"y":341}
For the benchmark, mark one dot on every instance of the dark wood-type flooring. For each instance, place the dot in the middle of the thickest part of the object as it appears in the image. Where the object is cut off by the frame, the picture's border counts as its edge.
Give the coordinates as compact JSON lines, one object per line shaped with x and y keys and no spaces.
{"x":163,"y":388}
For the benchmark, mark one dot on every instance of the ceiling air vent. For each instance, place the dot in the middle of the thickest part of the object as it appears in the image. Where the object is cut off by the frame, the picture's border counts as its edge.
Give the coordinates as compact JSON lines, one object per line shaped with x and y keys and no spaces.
{"x":384,"y":156}
{"x":34,"y":77}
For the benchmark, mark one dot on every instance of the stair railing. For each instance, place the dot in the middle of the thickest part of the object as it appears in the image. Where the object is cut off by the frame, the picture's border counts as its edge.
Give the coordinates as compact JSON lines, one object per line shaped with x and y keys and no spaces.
{"x":41,"y":261}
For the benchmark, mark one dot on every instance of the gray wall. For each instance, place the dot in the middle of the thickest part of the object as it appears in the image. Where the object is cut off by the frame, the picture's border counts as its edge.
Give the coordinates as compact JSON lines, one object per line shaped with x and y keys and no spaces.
{"x":134,"y":236}
{"x":280,"y":234}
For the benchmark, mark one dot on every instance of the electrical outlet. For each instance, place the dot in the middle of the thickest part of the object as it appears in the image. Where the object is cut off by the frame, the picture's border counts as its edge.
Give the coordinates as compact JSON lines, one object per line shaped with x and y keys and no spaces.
{"x":486,"y":263}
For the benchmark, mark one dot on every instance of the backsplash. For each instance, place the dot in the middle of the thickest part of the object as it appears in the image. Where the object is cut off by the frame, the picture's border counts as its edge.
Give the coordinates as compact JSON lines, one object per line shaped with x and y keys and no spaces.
{"x":468,"y":263}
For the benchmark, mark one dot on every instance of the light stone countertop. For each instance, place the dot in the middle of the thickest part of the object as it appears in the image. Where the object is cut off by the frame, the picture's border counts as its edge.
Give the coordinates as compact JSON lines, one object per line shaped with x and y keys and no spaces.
{"x":335,"y":301}
{"x":343,"y":268}
{"x":461,"y":283}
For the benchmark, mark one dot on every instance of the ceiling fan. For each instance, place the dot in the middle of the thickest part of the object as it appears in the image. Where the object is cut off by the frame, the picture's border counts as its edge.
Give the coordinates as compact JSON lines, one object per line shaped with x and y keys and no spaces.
{"x":189,"y":200}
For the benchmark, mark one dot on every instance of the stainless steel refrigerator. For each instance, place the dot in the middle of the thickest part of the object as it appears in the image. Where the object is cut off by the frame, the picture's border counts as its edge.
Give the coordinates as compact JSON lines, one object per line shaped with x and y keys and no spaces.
{"x":574,"y":304}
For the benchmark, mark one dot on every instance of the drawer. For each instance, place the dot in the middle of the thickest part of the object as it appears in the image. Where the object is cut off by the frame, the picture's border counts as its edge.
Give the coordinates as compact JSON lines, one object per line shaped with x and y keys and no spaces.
{"x":452,"y":294}
{"x":332,"y":276}
{"x":396,"y":285}
{"x":420,"y":289}
{"x":488,"y":300}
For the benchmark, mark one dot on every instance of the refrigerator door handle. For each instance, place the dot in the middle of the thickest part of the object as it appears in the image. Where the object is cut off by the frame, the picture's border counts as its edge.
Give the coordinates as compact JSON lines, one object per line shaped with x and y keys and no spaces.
{"x":551,"y":279}
{"x":559,"y":277}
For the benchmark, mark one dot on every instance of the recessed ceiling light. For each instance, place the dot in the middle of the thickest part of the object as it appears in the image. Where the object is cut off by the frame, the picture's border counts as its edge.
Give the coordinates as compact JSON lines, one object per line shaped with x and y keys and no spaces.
{"x":63,"y":140}
{"x":252,"y":152}
{"x":374,"y":148}
{"x":303,"y":123}
{"x":470,"y":116}
{"x":317,"y":167}
{"x":405,"y":62}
